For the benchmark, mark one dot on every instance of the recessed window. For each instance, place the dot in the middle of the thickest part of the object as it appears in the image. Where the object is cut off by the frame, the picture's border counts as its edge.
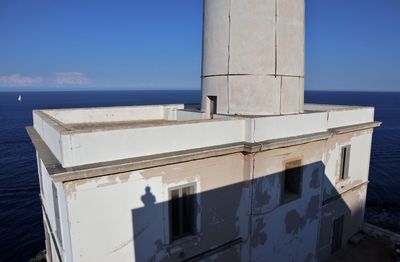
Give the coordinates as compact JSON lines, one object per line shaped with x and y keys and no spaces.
{"x":212,"y":104}
{"x":344,"y":162}
{"x":182,"y":209}
{"x":40,"y":175}
{"x":57,"y":214}
{"x":292,"y":178}
{"x":337,"y":234}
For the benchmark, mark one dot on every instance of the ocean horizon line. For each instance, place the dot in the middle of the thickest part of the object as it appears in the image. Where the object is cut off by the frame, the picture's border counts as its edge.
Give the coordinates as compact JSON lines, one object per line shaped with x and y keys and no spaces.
{"x":179,"y":90}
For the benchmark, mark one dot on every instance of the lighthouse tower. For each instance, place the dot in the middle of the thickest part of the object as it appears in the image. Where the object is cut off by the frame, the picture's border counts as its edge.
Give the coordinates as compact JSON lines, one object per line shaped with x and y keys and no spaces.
{"x":253,"y":57}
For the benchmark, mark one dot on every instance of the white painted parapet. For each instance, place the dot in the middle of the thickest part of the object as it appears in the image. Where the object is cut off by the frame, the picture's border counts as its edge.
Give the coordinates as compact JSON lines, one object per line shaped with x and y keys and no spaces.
{"x":253,"y":56}
{"x":114,"y":114}
{"x":275,"y":127}
{"x":108,"y":145}
{"x":48,"y":131}
{"x":339,"y":116}
{"x":93,"y":135}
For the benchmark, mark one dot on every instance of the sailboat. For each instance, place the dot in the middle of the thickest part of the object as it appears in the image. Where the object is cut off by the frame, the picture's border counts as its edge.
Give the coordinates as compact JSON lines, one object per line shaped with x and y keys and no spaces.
{"x":19,"y":98}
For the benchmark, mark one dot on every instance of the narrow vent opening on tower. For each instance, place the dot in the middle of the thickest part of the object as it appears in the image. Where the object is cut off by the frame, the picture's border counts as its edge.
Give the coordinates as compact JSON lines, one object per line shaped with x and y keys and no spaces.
{"x":212,"y":104}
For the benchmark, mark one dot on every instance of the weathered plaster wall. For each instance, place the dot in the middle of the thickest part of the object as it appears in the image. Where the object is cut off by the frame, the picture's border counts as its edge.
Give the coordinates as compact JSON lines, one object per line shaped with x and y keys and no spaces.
{"x":288,"y":231}
{"x":351,"y":204}
{"x":47,"y":196}
{"x":253,"y":56}
{"x":360,"y":152}
{"x":108,"y":210}
{"x":56,"y":213}
{"x":344,"y":197}
{"x":126,"y":215}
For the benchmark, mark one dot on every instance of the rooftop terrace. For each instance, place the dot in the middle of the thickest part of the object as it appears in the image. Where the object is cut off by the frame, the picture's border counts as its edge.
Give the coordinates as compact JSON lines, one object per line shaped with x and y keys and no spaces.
{"x":85,"y":136}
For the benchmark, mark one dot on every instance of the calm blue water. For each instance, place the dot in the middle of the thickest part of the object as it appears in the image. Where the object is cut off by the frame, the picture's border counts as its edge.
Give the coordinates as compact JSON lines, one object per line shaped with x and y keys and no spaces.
{"x":21,"y":233}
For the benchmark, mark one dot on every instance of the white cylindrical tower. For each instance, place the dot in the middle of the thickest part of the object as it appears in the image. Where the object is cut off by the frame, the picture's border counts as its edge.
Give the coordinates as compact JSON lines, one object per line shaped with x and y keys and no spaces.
{"x":253,"y":57}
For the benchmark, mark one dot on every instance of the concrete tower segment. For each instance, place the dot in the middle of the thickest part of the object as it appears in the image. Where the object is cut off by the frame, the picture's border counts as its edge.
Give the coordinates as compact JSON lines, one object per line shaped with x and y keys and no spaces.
{"x":253,"y":57}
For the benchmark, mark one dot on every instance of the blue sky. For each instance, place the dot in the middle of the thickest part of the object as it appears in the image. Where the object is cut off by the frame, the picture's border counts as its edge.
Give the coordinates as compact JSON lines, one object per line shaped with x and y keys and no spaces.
{"x":156,"y":44}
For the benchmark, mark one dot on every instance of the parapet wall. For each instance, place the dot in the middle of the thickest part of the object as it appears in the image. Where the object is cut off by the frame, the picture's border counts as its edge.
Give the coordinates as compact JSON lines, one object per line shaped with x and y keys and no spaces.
{"x":93,"y":135}
{"x":114,"y":114}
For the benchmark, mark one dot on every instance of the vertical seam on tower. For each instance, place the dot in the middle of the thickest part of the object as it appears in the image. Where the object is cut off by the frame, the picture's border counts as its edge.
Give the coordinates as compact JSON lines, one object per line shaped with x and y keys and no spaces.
{"x":254,"y":130}
{"x":229,"y":54}
{"x":276,"y":37}
{"x":202,"y":43}
{"x":299,"y":102}
{"x":202,"y":105}
{"x":280,"y":96}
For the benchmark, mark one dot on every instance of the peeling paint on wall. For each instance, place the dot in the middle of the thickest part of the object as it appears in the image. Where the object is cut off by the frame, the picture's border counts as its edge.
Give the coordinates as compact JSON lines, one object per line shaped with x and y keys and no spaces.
{"x":225,"y":197}
{"x":258,"y":236}
{"x":294,"y":222}
{"x":315,"y":180}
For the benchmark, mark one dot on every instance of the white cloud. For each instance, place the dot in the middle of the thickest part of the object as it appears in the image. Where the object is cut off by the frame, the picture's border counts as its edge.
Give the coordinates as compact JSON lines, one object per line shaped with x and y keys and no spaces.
{"x":71,"y":79}
{"x":19,"y":80}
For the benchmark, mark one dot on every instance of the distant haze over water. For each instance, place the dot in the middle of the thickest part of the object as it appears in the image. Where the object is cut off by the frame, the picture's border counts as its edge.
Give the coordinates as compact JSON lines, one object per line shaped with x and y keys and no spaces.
{"x":21,"y":228}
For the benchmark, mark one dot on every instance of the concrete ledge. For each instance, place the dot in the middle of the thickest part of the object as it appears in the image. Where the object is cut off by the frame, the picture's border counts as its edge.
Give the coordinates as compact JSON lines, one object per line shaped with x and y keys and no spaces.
{"x":339,"y":195}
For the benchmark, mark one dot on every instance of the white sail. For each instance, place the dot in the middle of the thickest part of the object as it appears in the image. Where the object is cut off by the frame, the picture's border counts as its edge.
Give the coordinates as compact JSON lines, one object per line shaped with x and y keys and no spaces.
{"x":20,"y":98}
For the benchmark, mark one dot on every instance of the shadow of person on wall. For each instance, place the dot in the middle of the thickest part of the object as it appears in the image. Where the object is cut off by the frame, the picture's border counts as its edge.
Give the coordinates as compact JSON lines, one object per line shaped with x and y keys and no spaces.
{"x":149,"y":201}
{"x":147,"y":223}
{"x":148,"y":198}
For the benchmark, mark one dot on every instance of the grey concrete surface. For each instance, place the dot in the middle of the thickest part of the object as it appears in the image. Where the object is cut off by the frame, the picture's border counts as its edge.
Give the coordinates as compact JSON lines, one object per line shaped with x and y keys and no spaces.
{"x":253,"y":56}
{"x":370,"y":249}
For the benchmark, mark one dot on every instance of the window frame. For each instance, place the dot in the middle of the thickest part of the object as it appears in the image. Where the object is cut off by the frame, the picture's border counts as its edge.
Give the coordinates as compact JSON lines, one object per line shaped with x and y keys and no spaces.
{"x":57,"y":215}
{"x":344,"y":167}
{"x":40,"y":174}
{"x":342,"y":220}
{"x":195,"y":227}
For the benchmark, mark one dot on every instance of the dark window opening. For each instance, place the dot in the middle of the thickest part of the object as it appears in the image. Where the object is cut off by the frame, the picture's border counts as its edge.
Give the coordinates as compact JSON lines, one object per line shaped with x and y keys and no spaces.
{"x":57,"y":214}
{"x":182,"y":212}
{"x":212,"y":100}
{"x":292,"y":178}
{"x":40,"y":175}
{"x":337,"y":234}
{"x":344,"y":164}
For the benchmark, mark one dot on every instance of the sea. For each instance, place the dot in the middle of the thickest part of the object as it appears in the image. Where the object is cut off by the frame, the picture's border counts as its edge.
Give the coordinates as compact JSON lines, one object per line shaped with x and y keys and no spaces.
{"x":21,"y":228}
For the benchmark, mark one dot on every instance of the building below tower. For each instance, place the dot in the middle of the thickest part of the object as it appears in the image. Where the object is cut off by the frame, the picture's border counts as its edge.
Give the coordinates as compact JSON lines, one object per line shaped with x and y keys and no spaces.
{"x":161,"y":183}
